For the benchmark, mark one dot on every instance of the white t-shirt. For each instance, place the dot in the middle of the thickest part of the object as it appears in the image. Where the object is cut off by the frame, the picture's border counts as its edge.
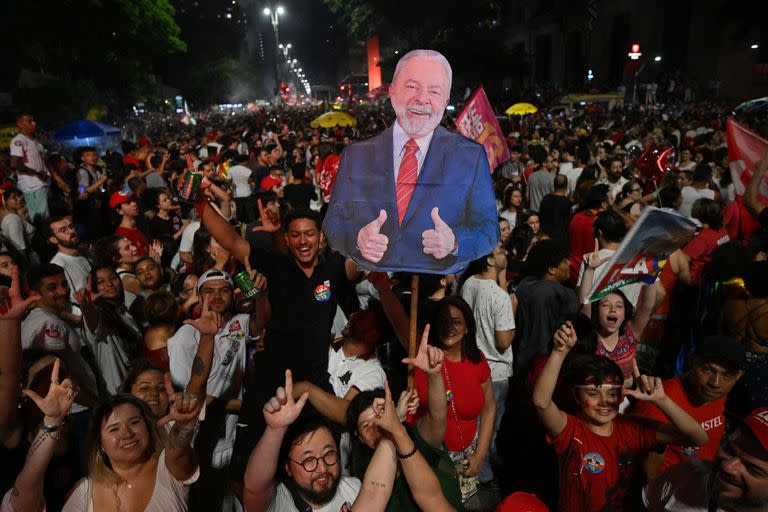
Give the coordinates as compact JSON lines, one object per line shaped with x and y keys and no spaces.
{"x":348,"y":372}
{"x":347,"y":492}
{"x":110,"y":350}
{"x":615,"y":187}
{"x":76,"y":270}
{"x":690,"y":195}
{"x":185,"y":245}
{"x":169,"y":495}
{"x":227,"y":368}
{"x":492,"y":307}
{"x":32,"y":153}
{"x":240,"y":176}
{"x":631,"y":291}
{"x":17,"y":231}
{"x":42,"y":330}
{"x":572,"y":174}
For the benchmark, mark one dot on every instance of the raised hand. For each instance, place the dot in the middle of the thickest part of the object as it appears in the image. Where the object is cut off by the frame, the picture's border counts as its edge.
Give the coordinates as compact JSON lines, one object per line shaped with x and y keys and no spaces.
{"x":156,"y":250}
{"x":370,"y":241}
{"x":184,"y":408}
{"x":407,"y":404}
{"x":209,"y":321}
{"x":380,"y":281}
{"x":12,"y":305}
{"x":428,"y":359}
{"x":281,"y":410}
{"x":268,"y":224}
{"x":57,"y":402}
{"x":565,"y":337}
{"x":646,"y":388}
{"x":85,"y":296}
{"x":593,"y":259}
{"x":440,"y":241}
{"x":386,"y":417}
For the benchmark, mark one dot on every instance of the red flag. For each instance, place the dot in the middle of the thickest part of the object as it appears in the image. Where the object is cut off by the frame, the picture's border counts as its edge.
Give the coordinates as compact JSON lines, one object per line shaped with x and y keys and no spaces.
{"x":745,"y":148}
{"x":478,"y":122}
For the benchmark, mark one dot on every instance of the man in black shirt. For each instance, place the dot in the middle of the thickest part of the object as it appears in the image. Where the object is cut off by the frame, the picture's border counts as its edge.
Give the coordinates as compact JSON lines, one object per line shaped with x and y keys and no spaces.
{"x":555,"y":210}
{"x":297,"y":193}
{"x":304,"y":290}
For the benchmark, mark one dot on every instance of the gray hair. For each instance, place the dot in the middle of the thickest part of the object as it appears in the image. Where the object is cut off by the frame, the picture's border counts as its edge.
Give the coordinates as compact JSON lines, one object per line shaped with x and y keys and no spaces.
{"x":428,"y":55}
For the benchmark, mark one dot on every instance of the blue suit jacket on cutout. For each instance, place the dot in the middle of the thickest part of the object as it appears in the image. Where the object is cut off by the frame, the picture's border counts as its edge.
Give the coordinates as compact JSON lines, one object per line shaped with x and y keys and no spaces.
{"x":454,"y":177}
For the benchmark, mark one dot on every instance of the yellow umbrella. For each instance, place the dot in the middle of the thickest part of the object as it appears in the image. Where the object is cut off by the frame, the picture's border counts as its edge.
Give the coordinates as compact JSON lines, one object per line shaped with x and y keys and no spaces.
{"x":520,"y":109}
{"x":331,"y":119}
{"x":6,"y":135}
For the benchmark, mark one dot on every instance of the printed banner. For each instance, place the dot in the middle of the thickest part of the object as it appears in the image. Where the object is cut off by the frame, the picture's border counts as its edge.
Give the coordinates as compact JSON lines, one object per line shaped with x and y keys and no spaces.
{"x":478,"y":122}
{"x":644,"y":251}
{"x":744,"y":149}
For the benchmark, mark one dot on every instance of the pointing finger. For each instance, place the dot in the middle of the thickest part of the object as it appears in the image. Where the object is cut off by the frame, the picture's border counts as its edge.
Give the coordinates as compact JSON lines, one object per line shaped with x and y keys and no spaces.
{"x":168,"y":384}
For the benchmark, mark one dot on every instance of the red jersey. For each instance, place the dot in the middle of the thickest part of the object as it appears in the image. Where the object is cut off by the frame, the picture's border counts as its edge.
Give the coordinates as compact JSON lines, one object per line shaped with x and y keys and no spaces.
{"x":136,"y":237}
{"x":700,"y":248}
{"x":466,"y":391}
{"x":268,"y":182}
{"x":709,"y":415}
{"x":602,"y":473}
{"x":581,"y":240}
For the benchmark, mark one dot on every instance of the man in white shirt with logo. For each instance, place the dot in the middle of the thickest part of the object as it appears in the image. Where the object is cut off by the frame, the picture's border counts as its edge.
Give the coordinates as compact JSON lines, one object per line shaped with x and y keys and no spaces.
{"x":62,"y":234}
{"x":28,"y":160}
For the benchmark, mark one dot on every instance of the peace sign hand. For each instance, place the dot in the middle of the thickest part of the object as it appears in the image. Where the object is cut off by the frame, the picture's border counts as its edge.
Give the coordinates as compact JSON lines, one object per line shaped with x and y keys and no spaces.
{"x":58,"y":401}
{"x":645,"y":388}
{"x":429,"y":359}
{"x":282,"y":410}
{"x":184,"y":408}
{"x":85,"y":297}
{"x":209,"y":322}
{"x":12,"y":305}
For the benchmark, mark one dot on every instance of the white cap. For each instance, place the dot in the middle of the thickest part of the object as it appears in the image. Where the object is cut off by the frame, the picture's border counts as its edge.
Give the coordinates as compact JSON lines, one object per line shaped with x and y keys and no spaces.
{"x":213,"y":274}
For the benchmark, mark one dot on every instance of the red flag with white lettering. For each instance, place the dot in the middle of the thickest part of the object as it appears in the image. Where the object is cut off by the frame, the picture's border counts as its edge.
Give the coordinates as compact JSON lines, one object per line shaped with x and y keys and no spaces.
{"x":745,"y":148}
{"x":478,"y":122}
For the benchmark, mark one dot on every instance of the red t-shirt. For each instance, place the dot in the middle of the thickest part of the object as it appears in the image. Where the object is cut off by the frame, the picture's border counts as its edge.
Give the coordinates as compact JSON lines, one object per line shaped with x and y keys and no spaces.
{"x":700,"y":248}
{"x":602,"y":473}
{"x":709,"y":415}
{"x":466,"y":380}
{"x":581,"y":240}
{"x":137,"y":237}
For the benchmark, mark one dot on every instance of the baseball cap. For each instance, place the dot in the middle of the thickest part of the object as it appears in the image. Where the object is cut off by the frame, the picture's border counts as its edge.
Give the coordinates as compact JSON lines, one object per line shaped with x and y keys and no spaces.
{"x":722,"y":348}
{"x":757,"y":422}
{"x":119,"y":198}
{"x":522,"y":502}
{"x":213,"y":275}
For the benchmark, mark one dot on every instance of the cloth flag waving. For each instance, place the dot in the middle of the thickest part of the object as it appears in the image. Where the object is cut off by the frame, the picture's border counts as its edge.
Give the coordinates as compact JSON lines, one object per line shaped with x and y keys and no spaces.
{"x":745,"y":148}
{"x":478,"y":122}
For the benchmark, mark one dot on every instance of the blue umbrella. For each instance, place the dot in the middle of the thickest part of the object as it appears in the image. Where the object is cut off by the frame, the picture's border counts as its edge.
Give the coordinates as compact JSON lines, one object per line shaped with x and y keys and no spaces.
{"x":85,"y":129}
{"x":753,"y":106}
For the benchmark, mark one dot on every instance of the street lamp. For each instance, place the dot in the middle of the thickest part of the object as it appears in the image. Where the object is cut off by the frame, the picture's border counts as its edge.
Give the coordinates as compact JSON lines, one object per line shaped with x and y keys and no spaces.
{"x":657,"y":58}
{"x":274,"y":16}
{"x":754,"y":46}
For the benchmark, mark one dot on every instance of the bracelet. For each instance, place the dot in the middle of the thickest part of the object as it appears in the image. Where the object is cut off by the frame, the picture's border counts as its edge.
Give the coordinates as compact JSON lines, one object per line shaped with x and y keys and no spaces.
{"x":406,"y":455}
{"x":49,"y":429}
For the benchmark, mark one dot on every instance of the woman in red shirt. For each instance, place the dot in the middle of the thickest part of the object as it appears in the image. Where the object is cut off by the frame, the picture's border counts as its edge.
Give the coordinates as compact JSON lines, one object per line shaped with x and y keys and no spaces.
{"x":693,"y":257}
{"x":466,"y":375}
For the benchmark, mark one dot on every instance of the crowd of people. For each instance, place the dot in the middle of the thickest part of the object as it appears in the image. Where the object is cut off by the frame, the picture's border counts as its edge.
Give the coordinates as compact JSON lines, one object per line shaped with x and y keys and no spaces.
{"x":220,"y":355}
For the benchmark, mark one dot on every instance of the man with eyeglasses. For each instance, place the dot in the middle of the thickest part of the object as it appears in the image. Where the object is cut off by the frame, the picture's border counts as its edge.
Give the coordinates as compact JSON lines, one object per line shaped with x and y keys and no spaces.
{"x":736,"y":482}
{"x":307,"y":452}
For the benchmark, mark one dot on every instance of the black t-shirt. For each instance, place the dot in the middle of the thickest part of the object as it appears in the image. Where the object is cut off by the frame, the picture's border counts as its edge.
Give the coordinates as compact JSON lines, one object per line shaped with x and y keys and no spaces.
{"x":164,"y":228}
{"x":300,"y":194}
{"x":554,"y":214}
{"x":303,"y":309}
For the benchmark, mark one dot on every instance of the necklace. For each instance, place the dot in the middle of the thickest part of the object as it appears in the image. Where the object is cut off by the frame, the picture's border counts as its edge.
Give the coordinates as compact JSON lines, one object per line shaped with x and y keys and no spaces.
{"x":452,"y":401}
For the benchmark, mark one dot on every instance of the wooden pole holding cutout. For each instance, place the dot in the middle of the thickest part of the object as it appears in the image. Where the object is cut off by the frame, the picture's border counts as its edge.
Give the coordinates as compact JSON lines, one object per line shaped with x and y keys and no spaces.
{"x":413,"y":330}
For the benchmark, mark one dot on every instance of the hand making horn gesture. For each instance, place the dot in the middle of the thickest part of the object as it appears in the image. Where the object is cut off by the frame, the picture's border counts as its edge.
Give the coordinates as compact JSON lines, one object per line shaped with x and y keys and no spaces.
{"x":12,"y":305}
{"x":440,"y":241}
{"x":644,"y":387}
{"x":55,"y":406}
{"x":428,"y":359}
{"x":281,"y":410}
{"x":184,"y":408}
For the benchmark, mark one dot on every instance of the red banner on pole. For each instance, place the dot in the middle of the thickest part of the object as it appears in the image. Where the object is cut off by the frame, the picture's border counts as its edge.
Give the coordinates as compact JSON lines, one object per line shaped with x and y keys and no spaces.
{"x":478,"y":122}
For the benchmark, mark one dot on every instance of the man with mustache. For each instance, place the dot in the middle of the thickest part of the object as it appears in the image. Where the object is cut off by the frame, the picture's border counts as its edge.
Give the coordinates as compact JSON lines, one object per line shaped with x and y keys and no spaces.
{"x":416,"y":197}
{"x":736,"y":482}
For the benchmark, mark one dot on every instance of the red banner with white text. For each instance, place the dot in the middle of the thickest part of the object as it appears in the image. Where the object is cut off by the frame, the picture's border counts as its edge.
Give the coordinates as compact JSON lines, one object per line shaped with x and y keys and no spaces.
{"x":745,"y":148}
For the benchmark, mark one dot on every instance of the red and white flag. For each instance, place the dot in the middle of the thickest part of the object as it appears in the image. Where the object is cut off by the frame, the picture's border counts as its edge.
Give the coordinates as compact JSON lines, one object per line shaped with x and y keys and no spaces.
{"x":478,"y":122}
{"x":745,"y":148}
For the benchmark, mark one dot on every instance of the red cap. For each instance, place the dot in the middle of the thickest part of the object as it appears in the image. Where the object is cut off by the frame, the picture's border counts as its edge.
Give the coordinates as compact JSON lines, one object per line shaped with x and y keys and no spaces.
{"x":522,"y":502}
{"x":757,"y":422}
{"x":145,"y":141}
{"x":119,"y":198}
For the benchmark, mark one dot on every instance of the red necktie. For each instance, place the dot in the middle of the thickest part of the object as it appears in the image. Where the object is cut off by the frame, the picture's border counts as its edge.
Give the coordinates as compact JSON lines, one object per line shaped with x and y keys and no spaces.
{"x":406,"y":178}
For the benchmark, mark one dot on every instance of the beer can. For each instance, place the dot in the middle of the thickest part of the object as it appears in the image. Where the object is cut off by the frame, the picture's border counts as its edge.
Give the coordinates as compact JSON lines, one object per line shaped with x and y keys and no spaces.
{"x":189,"y":189}
{"x":243,"y":281}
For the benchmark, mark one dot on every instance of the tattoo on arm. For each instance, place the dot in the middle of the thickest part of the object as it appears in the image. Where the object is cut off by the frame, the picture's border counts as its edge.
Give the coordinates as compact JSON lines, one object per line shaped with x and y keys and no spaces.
{"x":180,"y":437}
{"x":379,"y":484}
{"x":38,"y":441}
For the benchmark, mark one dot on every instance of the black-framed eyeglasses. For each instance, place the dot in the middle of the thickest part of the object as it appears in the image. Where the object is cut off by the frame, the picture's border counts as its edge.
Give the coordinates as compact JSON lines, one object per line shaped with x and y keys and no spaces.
{"x":310,"y":463}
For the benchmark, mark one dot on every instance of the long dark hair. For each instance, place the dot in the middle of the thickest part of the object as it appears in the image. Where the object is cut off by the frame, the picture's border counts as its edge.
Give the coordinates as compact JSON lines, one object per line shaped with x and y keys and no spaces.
{"x":361,"y":454}
{"x":629,"y":312}
{"x":440,"y":325}
{"x":113,"y":319}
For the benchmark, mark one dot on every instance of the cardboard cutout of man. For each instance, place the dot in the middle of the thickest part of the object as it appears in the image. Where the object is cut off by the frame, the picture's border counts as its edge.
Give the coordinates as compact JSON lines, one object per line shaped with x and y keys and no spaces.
{"x":416,"y":197}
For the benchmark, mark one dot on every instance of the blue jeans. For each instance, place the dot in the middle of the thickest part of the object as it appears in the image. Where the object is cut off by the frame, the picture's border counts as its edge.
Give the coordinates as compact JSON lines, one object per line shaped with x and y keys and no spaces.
{"x":500,"y":390}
